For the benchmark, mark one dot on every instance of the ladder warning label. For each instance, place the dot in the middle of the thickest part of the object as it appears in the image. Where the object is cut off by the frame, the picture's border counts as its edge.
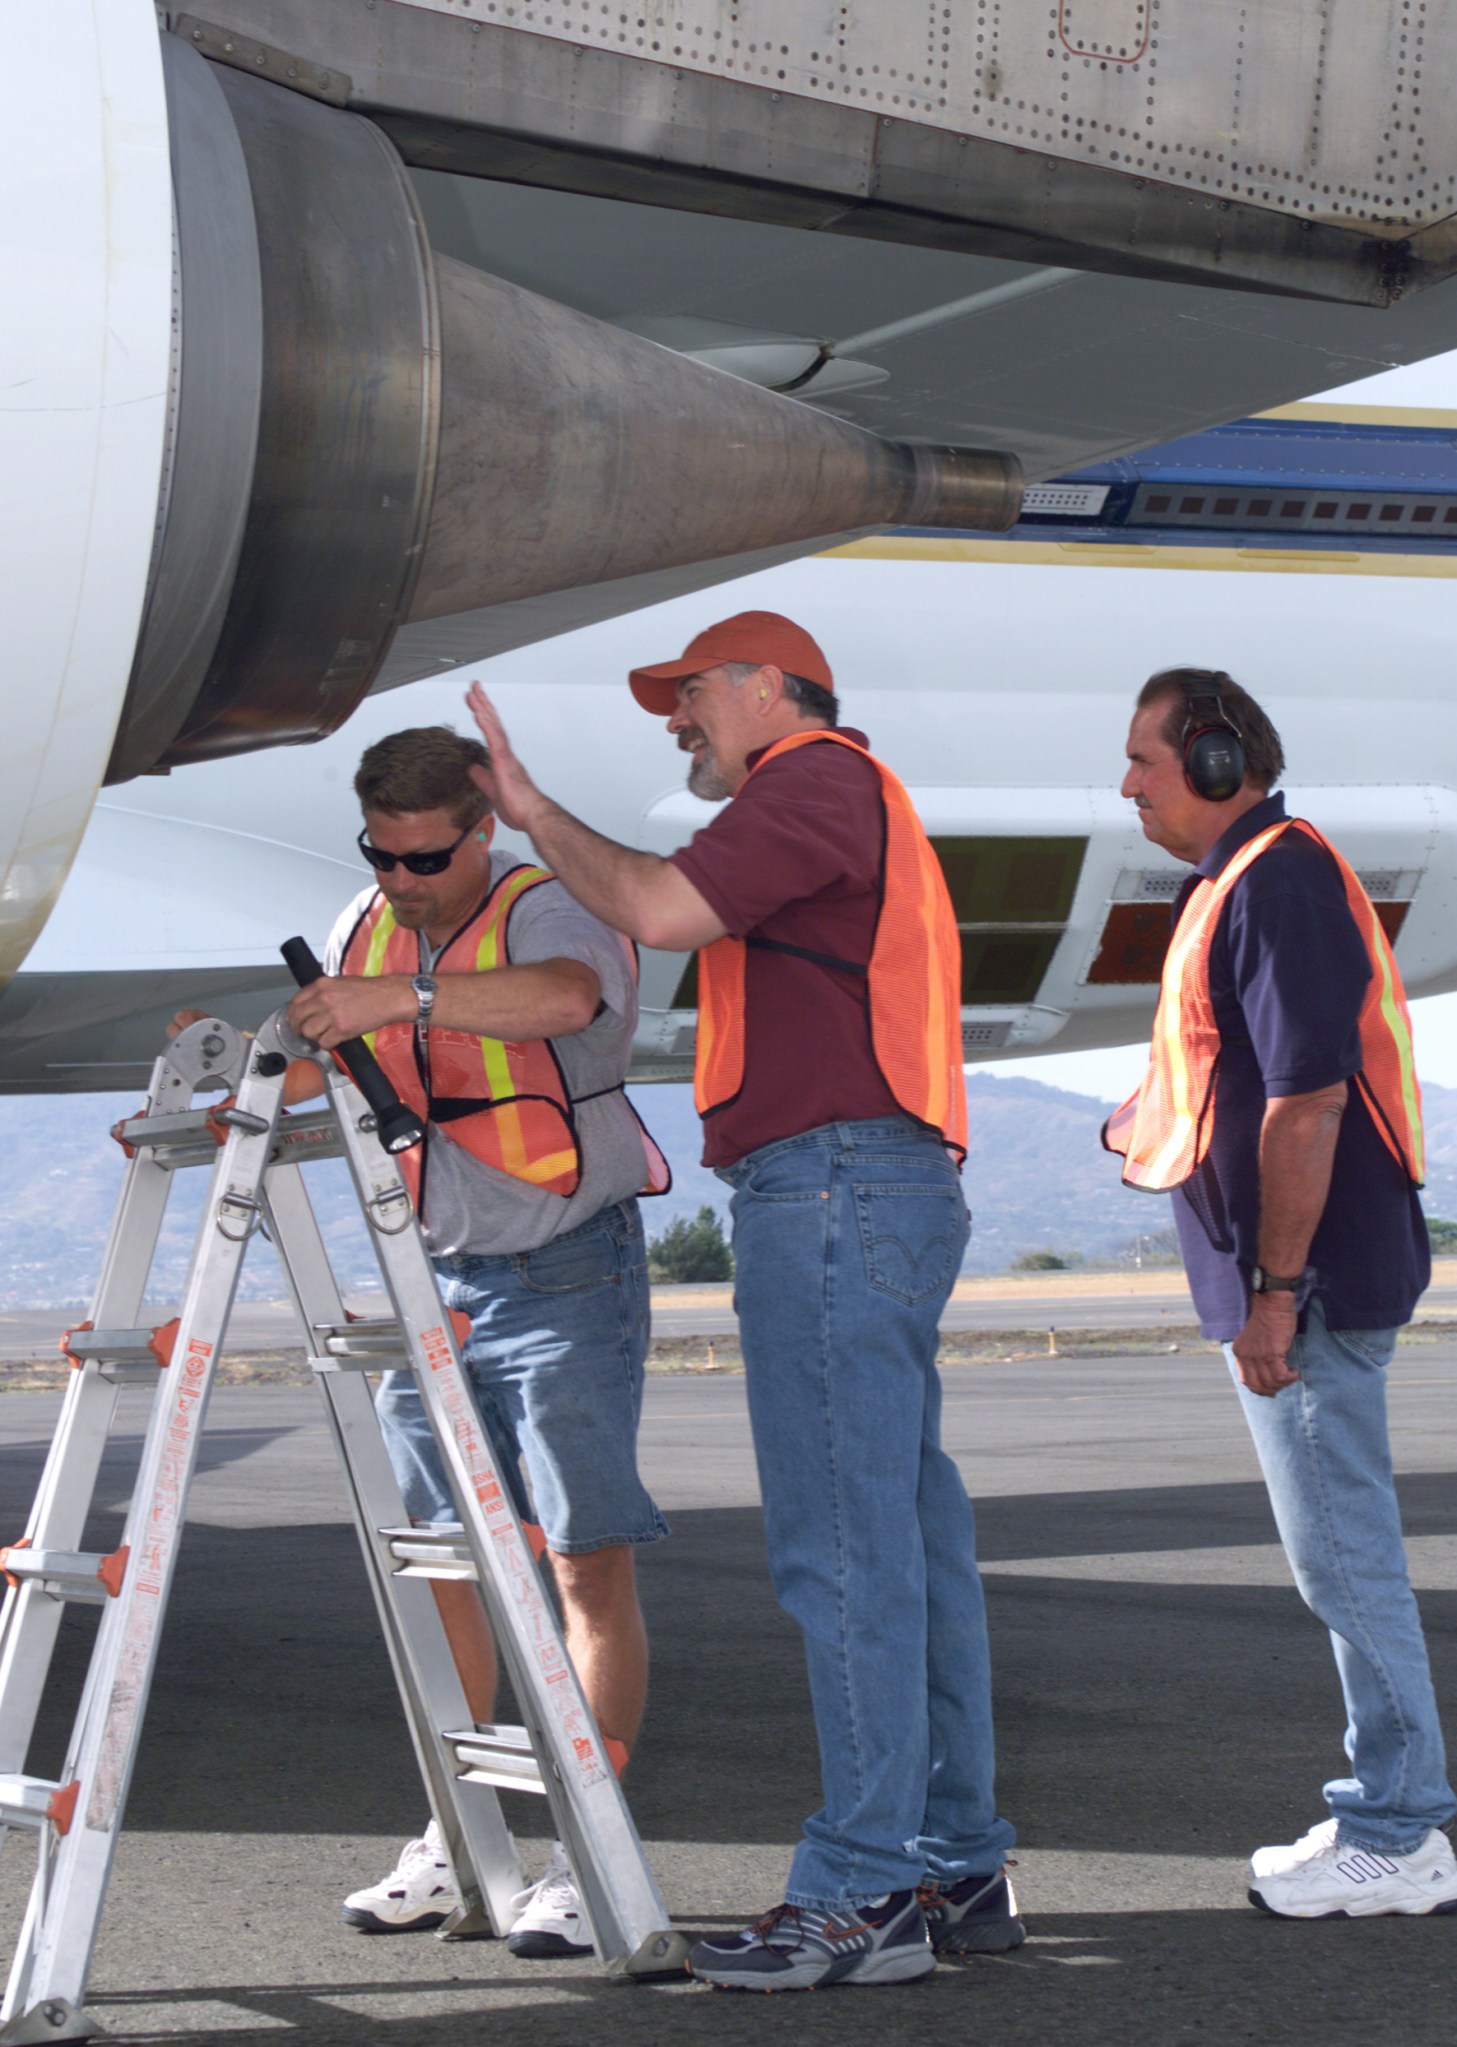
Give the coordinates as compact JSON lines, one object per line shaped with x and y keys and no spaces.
{"x":153,"y":1549}
{"x":436,"y":1346}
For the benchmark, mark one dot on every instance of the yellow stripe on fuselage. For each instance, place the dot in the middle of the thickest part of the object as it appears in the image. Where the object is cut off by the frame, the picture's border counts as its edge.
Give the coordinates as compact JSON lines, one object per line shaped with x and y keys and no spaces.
{"x":1116,"y":554}
{"x":1363,"y":415}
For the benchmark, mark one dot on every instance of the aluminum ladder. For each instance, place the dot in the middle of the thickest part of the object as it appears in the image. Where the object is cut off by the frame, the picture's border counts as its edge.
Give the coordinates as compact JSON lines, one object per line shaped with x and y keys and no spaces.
{"x":255,"y":1153}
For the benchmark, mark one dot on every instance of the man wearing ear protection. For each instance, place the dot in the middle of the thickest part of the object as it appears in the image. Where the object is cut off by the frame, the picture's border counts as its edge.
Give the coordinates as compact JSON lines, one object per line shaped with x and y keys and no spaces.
{"x":829,"y":1077}
{"x":504,"y":1013}
{"x":1281,"y":1109}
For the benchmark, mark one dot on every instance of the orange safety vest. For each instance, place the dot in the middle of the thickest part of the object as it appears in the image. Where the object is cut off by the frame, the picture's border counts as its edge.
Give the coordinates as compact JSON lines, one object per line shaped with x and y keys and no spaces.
{"x":914,"y":976}
{"x":1164,"y":1130}
{"x":507,"y":1105}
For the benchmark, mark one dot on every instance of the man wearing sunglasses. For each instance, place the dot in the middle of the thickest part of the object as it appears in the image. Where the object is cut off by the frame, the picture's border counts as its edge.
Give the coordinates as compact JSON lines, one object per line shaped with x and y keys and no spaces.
{"x":505,"y":1013}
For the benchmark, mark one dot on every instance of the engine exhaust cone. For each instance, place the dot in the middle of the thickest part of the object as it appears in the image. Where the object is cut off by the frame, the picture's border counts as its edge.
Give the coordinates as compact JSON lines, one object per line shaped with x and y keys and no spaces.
{"x":572,"y":452}
{"x":367,"y":434}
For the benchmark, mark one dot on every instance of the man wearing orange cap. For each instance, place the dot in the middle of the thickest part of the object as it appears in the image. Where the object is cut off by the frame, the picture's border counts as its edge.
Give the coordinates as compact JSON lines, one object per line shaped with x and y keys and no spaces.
{"x":829,"y":1080}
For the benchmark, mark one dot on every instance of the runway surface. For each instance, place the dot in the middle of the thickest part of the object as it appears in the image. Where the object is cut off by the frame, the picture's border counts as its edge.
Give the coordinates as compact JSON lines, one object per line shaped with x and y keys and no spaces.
{"x":1164,"y":1703}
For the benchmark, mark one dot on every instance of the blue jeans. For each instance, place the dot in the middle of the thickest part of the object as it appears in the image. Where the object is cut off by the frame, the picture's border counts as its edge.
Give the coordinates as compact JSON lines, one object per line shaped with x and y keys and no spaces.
{"x":1323,"y":1447}
{"x":847,"y":1241}
{"x":555,"y":1358}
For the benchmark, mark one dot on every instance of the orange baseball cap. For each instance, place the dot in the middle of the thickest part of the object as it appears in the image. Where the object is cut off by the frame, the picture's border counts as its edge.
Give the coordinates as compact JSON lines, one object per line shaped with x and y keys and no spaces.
{"x":758,"y":637}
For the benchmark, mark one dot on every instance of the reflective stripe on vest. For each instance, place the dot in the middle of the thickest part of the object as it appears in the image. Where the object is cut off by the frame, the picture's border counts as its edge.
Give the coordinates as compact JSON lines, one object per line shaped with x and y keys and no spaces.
{"x":516,"y":1156}
{"x":913,"y":977}
{"x":1164,"y":1130}
{"x":523,"y":1123}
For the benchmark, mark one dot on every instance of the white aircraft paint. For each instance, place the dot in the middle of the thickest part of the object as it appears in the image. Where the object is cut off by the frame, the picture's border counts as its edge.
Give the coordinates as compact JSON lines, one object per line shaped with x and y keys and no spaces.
{"x":998,"y":688}
{"x":86,"y":257}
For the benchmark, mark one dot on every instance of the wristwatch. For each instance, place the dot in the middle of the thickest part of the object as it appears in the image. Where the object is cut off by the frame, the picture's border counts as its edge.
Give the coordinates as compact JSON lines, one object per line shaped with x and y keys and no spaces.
{"x":424,"y":987}
{"x":1262,"y":1282}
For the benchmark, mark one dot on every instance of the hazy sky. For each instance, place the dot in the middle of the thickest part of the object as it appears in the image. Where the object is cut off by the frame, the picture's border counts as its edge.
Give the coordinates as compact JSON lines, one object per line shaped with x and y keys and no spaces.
{"x":1114,"y":1074}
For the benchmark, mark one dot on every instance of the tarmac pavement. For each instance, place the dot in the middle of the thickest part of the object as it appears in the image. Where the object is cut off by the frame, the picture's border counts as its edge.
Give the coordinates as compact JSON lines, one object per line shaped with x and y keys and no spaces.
{"x":1165,"y":1705}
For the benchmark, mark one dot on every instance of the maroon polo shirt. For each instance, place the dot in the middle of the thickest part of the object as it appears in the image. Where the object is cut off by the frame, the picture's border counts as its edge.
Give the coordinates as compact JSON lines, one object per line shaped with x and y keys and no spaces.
{"x":796,"y":859}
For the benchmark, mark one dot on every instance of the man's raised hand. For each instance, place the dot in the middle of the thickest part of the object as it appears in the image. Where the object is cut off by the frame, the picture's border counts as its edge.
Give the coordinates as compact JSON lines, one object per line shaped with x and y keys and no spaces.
{"x":514,"y":796}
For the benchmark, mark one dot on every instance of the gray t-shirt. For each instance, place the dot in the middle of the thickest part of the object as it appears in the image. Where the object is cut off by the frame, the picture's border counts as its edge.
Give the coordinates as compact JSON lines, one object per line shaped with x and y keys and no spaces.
{"x":472,"y":1209}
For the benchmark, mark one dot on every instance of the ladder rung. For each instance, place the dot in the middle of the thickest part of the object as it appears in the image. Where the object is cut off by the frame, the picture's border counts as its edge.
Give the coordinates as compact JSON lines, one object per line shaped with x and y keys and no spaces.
{"x":361,"y":1339}
{"x":66,"y":1573}
{"x":147,"y":1348}
{"x":190,"y":1137}
{"x":31,"y":1801}
{"x":497,"y":1755}
{"x":183,"y":1127}
{"x":438,"y":1552}
{"x":369,"y":1361}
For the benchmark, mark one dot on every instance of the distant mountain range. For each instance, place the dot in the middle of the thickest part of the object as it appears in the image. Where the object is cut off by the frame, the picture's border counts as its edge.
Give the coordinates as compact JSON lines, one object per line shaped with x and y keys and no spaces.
{"x":1036,"y":1179}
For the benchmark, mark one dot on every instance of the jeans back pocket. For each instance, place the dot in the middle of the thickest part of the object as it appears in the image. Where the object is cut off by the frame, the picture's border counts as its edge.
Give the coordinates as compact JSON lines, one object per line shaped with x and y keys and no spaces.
{"x":913,"y":1237}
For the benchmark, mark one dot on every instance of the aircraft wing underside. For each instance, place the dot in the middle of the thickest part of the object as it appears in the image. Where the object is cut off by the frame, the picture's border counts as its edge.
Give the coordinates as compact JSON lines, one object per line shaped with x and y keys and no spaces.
{"x":353,"y":345}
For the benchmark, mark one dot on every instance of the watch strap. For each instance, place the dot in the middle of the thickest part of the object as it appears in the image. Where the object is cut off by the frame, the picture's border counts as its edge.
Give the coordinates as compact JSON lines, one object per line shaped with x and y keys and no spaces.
{"x":1263,"y":1282}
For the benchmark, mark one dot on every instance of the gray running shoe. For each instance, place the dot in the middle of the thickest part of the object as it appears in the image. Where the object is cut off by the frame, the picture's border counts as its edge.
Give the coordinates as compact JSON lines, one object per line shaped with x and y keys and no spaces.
{"x":977,"y":1916}
{"x":800,"y":1948}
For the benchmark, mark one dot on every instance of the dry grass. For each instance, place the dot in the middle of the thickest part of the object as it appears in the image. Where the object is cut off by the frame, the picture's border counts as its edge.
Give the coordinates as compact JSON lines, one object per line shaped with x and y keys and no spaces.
{"x":697,"y":1355}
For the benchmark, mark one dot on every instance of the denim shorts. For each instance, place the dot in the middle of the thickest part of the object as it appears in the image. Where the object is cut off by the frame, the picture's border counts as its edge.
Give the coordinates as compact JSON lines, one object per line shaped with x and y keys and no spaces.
{"x":556,"y":1354}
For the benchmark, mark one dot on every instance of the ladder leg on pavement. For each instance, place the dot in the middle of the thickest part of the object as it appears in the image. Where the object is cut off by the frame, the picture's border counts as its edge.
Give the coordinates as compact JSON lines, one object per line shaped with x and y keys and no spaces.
{"x":77,"y":1819}
{"x":478,"y":1846}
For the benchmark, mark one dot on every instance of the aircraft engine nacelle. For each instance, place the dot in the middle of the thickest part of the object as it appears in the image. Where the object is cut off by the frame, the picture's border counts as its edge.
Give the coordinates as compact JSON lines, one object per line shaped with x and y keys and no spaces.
{"x":307,"y":430}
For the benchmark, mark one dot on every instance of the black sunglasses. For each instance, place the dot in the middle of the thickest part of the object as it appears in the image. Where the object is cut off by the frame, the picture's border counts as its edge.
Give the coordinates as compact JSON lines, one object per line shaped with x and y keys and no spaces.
{"x":413,"y":863}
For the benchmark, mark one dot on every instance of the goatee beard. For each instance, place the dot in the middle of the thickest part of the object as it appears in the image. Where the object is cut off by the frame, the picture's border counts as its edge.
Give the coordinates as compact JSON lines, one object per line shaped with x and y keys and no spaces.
{"x":705,"y":781}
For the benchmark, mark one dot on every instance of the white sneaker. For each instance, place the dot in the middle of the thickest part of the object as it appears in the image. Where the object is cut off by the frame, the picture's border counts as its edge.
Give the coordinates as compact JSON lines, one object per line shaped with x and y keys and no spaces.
{"x":1338,"y":1881}
{"x":550,"y":1920}
{"x":1280,"y":1861}
{"x":419,"y":1893}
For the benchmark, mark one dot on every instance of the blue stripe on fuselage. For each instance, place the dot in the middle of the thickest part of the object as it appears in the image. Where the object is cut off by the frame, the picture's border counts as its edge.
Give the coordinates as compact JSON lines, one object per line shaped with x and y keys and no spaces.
{"x":1327,"y":485}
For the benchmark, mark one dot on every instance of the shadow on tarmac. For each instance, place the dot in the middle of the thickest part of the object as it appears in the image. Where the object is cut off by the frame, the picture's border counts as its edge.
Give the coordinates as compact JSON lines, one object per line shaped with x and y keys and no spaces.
{"x":218,"y":1448}
{"x":1177,"y":1980}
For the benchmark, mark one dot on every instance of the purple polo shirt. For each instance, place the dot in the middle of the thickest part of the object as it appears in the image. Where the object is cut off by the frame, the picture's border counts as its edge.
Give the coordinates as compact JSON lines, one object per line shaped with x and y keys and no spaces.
{"x":1287,"y":973}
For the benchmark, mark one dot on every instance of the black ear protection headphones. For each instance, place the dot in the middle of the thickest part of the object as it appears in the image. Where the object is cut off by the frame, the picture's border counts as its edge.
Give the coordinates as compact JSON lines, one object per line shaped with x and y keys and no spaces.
{"x":1214,"y":752}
